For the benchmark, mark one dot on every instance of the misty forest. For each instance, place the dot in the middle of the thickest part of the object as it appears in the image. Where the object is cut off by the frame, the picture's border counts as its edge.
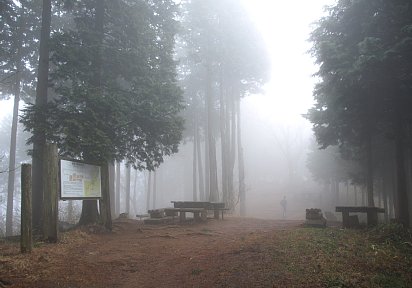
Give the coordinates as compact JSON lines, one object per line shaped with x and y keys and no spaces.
{"x":230,"y":151}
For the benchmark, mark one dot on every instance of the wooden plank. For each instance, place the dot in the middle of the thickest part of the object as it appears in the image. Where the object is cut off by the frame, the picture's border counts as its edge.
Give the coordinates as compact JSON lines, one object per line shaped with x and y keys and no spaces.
{"x":360,"y":209}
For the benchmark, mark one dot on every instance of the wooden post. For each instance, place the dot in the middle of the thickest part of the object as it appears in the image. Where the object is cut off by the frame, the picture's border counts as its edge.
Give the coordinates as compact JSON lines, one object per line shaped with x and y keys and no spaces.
{"x":50,"y":192}
{"x":26,"y":225}
{"x":104,"y":202}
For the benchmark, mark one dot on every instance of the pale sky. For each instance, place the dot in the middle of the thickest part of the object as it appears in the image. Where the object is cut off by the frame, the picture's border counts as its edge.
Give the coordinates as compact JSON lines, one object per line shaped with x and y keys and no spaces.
{"x":285,"y":26}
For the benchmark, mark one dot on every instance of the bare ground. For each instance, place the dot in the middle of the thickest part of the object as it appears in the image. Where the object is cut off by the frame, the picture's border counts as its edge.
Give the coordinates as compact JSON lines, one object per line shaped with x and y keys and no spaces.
{"x":218,"y":253}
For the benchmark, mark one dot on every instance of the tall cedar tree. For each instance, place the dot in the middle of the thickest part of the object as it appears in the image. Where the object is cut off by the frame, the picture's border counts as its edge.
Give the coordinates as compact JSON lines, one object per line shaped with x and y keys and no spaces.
{"x":115,"y":83}
{"x":364,"y":50}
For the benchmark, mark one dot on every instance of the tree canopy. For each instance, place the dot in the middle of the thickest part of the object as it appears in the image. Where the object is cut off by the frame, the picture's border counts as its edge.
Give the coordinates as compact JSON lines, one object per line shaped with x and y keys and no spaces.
{"x":114,"y":80}
{"x":363,"y":49}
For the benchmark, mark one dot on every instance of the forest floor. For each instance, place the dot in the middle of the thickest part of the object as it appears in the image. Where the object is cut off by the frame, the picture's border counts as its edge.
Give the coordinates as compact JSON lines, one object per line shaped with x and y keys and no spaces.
{"x":234,"y":252}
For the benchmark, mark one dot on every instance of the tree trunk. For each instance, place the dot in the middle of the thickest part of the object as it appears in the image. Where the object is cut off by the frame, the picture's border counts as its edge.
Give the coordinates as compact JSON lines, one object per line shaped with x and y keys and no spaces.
{"x":200,"y":164}
{"x":355,"y":190}
{"x":26,"y":241}
{"x":112,"y":191}
{"x":149,"y":188}
{"x":50,"y":188}
{"x":105,"y":213}
{"x":97,"y":82}
{"x":13,"y":137}
{"x":223,"y":142}
{"x":118,"y":176}
{"x":154,"y":188}
{"x":127,"y":188}
{"x":213,"y":186}
{"x":39,"y":138}
{"x":369,"y":172}
{"x":194,"y":168}
{"x":135,"y":192}
{"x":242,"y":188}
{"x":402,"y":194}
{"x":232,"y":148}
{"x":90,"y":214}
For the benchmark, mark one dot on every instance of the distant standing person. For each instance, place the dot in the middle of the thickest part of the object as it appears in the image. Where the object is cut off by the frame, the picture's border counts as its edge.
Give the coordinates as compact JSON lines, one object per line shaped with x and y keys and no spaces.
{"x":284,"y":203}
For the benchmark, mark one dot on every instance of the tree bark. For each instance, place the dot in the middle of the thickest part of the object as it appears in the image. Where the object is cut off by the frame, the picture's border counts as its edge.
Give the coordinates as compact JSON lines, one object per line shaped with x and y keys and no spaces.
{"x":118,"y":176}
{"x":200,"y":164}
{"x":26,"y":241}
{"x":149,"y":188}
{"x":154,"y":188}
{"x":127,"y":188}
{"x":97,"y":82}
{"x":112,"y":191}
{"x":213,"y":186}
{"x":39,"y":138}
{"x":105,"y":213}
{"x":50,"y":188}
{"x":223,"y":142}
{"x":369,"y":165}
{"x":194,"y":167}
{"x":402,"y":194}
{"x":242,"y":188}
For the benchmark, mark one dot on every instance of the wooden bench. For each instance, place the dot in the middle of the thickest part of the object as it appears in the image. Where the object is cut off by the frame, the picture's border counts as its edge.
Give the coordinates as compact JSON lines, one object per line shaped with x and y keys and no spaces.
{"x":198,"y":213}
{"x":217,"y":207}
{"x":371,"y":212}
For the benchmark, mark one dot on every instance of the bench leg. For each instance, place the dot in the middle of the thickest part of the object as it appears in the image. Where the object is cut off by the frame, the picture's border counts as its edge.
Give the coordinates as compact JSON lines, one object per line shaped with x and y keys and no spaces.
{"x":345,"y":219}
{"x":182,"y":216}
{"x":372,"y":217}
{"x":196,"y":216}
{"x":216,"y":213}
{"x":203,"y":214}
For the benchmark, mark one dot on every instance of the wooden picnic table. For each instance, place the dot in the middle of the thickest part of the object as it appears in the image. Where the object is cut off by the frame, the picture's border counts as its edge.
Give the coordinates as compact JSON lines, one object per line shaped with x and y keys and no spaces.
{"x":371,"y":212}
{"x":217,"y":207}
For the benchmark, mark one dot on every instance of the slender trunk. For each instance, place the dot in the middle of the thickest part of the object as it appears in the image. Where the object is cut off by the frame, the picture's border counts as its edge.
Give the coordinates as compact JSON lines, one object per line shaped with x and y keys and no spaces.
{"x":200,"y":166}
{"x":363,"y":196}
{"x":70,"y":211}
{"x":39,"y":137}
{"x":213,"y":186}
{"x":194,"y":168}
{"x":355,"y":190}
{"x":112,"y":190}
{"x":242,"y":188}
{"x":118,"y":176}
{"x":135,"y":192}
{"x":369,"y":180}
{"x":128,"y":170}
{"x":336,"y":183}
{"x":154,"y":188}
{"x":385,"y":196}
{"x":347,"y":193}
{"x":223,"y":142}
{"x":207,"y":162}
{"x":149,"y":188}
{"x":12,"y":155}
{"x":232,"y":147}
{"x":402,"y":194}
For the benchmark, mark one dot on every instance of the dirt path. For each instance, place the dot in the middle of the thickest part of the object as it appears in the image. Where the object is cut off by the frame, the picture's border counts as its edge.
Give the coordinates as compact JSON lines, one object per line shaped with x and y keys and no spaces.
{"x":228,"y":253}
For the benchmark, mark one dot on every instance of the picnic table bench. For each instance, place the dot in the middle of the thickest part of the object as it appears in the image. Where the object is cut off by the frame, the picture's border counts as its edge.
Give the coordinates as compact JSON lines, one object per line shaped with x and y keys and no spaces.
{"x":217,"y":207}
{"x":198,"y":213}
{"x":371,"y":212}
